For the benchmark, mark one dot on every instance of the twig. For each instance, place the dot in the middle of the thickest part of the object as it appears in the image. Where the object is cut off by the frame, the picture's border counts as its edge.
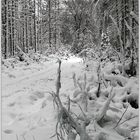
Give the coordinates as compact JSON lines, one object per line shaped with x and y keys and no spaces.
{"x":68,"y":104}
{"x":54,"y":98}
{"x":74,"y":80}
{"x":105,"y":107}
{"x":128,"y":119}
{"x":58,"y":83}
{"x":135,"y":129}
{"x":85,"y":81}
{"x":104,"y":82}
{"x":80,"y":108}
{"x":99,"y":80}
{"x":121,"y":117}
{"x":79,"y":85}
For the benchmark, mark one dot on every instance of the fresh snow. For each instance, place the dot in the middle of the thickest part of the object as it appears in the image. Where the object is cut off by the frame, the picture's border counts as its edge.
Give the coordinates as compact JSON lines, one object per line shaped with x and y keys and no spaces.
{"x":27,"y":107}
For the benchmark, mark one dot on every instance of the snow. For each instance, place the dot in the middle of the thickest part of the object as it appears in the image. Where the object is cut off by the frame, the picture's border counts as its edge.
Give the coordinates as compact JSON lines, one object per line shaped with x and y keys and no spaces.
{"x":27,"y":106}
{"x":20,"y":104}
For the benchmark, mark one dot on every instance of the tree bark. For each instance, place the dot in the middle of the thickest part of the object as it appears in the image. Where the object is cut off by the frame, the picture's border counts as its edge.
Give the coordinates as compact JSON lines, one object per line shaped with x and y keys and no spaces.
{"x":26,"y":26}
{"x":10,"y":40}
{"x":55,"y":38}
{"x":5,"y":26}
{"x":13,"y":27}
{"x":35,"y":45}
{"x":41,"y":45}
{"x":49,"y":14}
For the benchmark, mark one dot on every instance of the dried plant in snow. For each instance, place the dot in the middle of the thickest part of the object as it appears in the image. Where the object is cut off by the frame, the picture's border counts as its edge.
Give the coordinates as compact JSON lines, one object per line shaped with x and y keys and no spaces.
{"x":66,"y":124}
{"x":82,"y":91}
{"x":105,"y":107}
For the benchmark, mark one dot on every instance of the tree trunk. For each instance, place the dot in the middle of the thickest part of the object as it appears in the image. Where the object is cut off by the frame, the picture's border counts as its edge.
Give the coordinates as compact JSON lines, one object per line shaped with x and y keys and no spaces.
{"x":26,"y":26}
{"x":58,"y":27}
{"x":5,"y":26}
{"x":49,"y":4}
{"x":23,"y":29}
{"x":55,"y":38}
{"x":41,"y":45}
{"x":35,"y":46}
{"x":7,"y":31}
{"x":123,"y":38}
{"x":13,"y":27}
{"x":10,"y":40}
{"x":16,"y":23}
{"x":117,"y":13}
{"x":123,"y":25}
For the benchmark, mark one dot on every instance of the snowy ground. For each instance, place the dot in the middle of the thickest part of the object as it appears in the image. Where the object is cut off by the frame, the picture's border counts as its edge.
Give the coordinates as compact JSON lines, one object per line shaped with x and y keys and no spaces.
{"x":27,"y":107}
{"x":24,"y":89}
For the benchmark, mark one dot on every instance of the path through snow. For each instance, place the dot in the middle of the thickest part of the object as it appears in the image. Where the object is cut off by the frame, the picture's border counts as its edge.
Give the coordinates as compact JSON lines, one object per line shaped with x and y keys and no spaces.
{"x":27,"y":108}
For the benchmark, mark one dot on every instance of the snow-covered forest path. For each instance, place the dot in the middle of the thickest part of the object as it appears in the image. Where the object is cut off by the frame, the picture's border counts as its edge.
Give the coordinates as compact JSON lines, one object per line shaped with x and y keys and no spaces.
{"x":27,"y":106}
{"x":28,"y":110}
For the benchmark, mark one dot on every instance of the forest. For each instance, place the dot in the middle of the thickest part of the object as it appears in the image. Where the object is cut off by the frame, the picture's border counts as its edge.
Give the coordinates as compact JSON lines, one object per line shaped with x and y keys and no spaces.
{"x":70,"y":69}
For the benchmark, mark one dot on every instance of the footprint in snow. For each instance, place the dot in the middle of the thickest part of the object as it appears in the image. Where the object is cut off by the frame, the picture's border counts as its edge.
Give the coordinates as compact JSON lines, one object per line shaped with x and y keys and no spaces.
{"x":11,"y":76}
{"x":8,"y":131}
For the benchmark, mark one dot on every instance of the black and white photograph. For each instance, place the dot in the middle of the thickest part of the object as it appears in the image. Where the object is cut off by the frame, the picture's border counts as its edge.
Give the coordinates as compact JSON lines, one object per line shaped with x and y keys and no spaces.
{"x":69,"y":69}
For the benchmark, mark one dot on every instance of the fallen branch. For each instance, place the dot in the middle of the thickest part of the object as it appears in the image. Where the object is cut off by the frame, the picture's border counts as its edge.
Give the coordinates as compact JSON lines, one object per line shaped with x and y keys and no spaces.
{"x":23,"y":52}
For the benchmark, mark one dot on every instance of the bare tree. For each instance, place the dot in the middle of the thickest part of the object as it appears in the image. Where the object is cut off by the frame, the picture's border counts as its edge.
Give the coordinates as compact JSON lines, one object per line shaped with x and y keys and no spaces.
{"x":49,"y":14}
{"x":35,"y":38}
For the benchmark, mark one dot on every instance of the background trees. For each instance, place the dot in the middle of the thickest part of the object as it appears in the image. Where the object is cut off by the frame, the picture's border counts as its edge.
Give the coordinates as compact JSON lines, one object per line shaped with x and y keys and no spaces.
{"x":42,"y":24}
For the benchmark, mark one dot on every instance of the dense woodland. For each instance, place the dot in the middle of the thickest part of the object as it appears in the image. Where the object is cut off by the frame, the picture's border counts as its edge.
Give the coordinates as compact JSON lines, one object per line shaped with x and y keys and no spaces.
{"x":93,"y":87}
{"x":49,"y":24}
